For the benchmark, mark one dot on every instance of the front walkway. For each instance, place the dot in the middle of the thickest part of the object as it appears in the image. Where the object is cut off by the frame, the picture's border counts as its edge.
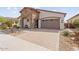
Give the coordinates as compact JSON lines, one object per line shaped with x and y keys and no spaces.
{"x":10,"y":43}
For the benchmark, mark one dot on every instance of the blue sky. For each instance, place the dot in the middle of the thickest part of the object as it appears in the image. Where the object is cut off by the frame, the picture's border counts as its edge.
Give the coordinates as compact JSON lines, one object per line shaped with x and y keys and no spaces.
{"x":14,"y":11}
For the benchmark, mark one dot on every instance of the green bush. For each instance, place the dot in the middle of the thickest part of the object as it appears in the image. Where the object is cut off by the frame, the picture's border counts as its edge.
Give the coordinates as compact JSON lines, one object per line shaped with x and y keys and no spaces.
{"x":16,"y":22}
{"x":76,"y":23}
{"x":9,"y":23}
{"x":3,"y":20}
{"x":66,"y":33}
{"x":3,"y":27}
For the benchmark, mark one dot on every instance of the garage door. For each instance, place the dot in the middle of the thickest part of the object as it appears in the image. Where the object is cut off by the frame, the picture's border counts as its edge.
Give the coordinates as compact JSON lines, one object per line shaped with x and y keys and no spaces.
{"x":51,"y":24}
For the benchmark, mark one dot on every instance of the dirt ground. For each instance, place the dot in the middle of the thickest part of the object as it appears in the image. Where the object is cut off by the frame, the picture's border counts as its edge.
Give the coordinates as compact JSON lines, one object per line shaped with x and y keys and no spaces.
{"x":66,"y":44}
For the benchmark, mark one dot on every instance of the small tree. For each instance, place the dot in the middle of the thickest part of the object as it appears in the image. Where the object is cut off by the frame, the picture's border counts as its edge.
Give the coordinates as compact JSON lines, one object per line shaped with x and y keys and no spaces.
{"x":76,"y":23}
{"x":9,"y":23}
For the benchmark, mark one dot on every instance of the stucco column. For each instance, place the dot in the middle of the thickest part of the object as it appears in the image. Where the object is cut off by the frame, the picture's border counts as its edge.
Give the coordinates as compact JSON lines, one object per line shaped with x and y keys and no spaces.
{"x":62,"y":23}
{"x":68,"y":24}
{"x":30,"y":23}
{"x":39,"y":23}
{"x":20,"y":21}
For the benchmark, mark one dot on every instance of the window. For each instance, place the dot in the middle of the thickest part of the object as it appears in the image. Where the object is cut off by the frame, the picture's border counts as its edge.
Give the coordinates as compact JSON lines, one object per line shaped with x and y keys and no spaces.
{"x":27,"y":20}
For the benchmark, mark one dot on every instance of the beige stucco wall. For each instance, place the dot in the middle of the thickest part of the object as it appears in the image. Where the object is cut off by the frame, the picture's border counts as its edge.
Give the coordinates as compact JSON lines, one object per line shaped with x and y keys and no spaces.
{"x":62,"y":23}
{"x":51,"y":14}
{"x":72,"y":20}
{"x":33,"y":15}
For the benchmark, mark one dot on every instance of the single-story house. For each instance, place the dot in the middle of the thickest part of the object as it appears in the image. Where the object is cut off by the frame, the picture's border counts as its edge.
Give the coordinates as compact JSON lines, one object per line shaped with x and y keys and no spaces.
{"x":71,"y":20}
{"x":37,"y":18}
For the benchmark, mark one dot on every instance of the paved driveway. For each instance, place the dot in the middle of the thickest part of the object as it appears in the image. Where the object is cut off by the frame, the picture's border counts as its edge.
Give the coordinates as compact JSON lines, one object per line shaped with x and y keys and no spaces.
{"x":43,"y":37}
{"x":10,"y":43}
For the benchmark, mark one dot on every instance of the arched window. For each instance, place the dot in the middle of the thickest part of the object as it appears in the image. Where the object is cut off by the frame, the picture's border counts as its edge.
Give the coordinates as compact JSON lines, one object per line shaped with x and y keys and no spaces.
{"x":27,"y":20}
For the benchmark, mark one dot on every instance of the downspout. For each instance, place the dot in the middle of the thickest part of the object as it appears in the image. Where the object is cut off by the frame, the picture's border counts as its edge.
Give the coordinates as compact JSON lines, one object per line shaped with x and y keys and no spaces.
{"x":68,"y":24}
{"x":30,"y":20}
{"x":38,"y":20}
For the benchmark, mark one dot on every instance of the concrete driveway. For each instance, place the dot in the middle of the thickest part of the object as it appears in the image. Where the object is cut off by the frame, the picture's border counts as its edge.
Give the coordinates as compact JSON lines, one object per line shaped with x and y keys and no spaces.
{"x":43,"y":37}
{"x":10,"y":43}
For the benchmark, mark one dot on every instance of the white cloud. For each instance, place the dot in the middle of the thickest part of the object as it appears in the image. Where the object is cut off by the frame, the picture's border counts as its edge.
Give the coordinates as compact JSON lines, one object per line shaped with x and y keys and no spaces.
{"x":8,"y":8}
{"x":14,"y":12}
{"x":15,"y":8}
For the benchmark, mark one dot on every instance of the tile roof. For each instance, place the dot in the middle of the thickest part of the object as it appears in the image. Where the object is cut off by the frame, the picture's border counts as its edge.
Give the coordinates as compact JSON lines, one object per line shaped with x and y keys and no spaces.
{"x":38,"y":10}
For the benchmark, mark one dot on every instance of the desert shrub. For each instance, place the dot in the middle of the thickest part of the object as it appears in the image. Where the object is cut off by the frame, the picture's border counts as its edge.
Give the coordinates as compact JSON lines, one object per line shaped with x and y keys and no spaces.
{"x":3,"y":27}
{"x":18,"y":27}
{"x":76,"y":23}
{"x":76,"y":40}
{"x":66,"y":33}
{"x":16,"y":22}
{"x":72,"y":34}
{"x":9,"y":23}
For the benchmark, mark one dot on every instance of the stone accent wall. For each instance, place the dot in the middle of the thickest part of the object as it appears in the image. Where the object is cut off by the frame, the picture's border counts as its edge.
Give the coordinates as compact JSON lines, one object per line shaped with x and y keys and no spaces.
{"x":30,"y":14}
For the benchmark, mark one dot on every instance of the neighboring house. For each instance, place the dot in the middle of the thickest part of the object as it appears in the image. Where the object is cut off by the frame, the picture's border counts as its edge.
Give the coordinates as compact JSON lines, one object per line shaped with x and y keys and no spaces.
{"x":37,"y":18}
{"x":71,"y":20}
